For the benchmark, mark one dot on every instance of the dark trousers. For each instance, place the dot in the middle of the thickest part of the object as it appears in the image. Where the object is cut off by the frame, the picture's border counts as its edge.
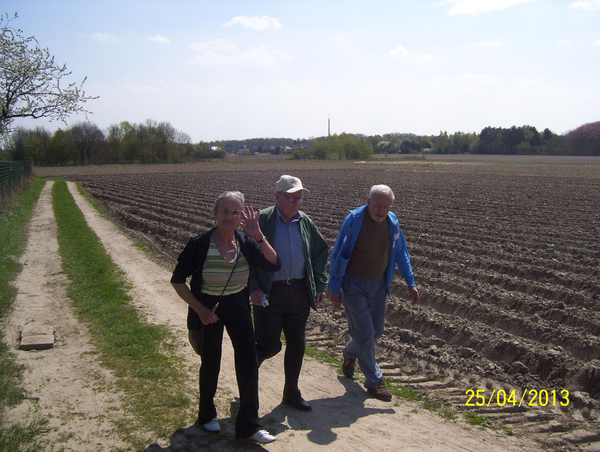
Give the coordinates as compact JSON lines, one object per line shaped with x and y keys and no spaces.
{"x":235,"y":315}
{"x":288,"y":310}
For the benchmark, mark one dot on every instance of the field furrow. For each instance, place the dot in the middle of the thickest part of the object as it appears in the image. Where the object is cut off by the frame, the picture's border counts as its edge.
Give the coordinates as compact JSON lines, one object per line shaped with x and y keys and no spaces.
{"x":506,"y":257}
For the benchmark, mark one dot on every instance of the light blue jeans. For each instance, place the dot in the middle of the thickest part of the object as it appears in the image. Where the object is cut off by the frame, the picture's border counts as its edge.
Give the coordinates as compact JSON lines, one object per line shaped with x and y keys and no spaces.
{"x":365,"y":303}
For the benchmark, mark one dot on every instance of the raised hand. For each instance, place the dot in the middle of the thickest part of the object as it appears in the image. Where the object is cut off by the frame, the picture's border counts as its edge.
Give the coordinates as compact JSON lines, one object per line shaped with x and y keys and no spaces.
{"x":250,"y":224}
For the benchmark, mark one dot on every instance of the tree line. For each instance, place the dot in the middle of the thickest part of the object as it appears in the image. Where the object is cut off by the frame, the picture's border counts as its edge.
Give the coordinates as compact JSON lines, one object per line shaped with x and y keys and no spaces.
{"x":524,"y":140}
{"x":85,"y":143}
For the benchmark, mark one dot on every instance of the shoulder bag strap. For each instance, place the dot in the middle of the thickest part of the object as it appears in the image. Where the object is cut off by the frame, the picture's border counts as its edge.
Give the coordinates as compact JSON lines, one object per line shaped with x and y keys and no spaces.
{"x":239,"y":251}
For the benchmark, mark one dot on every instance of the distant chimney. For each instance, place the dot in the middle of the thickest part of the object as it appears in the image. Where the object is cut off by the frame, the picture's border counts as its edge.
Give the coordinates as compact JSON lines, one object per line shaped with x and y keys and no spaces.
{"x":328,"y":126}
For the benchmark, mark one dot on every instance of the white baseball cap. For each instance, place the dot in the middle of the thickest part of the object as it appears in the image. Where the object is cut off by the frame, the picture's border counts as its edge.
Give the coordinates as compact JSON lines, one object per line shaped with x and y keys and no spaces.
{"x":289,"y":184}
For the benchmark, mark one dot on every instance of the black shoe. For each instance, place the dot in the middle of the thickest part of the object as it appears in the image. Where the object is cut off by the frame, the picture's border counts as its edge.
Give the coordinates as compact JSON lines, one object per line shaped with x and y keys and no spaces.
{"x":348,"y":366}
{"x":299,"y":404}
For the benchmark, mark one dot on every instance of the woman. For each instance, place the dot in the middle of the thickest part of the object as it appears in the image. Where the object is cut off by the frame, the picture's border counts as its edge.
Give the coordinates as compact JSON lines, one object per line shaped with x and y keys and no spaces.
{"x":219,"y":262}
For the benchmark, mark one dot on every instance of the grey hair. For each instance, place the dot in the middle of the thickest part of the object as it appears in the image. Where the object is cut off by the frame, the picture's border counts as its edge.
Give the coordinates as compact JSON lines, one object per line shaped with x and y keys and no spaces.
{"x":382,"y":189}
{"x":230,"y":194}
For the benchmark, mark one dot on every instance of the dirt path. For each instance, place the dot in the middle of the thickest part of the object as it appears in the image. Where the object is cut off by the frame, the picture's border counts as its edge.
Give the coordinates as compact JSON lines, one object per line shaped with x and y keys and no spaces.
{"x":65,"y":384}
{"x":80,"y":408}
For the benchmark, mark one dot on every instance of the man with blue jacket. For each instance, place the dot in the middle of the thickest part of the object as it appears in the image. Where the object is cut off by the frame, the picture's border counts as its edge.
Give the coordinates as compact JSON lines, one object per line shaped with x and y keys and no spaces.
{"x":369,"y":246}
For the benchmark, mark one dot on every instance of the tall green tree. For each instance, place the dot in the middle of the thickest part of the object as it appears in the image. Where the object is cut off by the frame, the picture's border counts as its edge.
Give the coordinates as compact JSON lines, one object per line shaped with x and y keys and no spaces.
{"x":38,"y":146}
{"x":382,"y":147}
{"x":132,"y":148}
{"x":344,"y":146}
{"x":17,"y":143}
{"x":585,"y":139}
{"x":461,"y":142}
{"x":62,"y":149}
{"x":114,"y":138}
{"x":442,"y":142}
{"x":547,"y":135}
{"x":88,"y":140}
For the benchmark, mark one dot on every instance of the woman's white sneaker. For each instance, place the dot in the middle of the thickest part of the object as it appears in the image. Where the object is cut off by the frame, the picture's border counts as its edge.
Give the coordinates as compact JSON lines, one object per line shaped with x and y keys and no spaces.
{"x":262,"y":437}
{"x":212,"y":426}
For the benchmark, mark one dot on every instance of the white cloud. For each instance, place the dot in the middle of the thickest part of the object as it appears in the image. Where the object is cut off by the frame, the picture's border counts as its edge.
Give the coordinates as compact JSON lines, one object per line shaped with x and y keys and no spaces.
{"x":398,"y":52}
{"x":104,"y":37}
{"x":427,"y":58}
{"x":216,"y":45}
{"x":596,"y":43}
{"x":473,"y":8}
{"x":470,"y":79}
{"x":160,"y":39}
{"x":254,"y":23}
{"x":586,"y":5}
{"x":210,"y":58}
{"x":564,"y":42}
{"x":488,"y":44}
{"x":220,"y":51}
{"x":263,"y":56}
{"x":340,"y":38}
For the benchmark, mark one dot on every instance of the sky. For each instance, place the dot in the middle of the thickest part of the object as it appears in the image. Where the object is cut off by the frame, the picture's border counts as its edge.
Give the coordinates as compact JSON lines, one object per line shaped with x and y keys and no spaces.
{"x":235,"y":69}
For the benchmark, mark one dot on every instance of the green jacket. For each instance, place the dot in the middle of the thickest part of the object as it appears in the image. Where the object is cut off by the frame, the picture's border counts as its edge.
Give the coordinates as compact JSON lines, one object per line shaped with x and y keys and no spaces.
{"x":315,"y":255}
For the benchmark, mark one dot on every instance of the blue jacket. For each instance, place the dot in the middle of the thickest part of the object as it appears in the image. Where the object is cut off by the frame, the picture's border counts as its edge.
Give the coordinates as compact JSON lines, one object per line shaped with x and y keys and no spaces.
{"x":342,"y":251}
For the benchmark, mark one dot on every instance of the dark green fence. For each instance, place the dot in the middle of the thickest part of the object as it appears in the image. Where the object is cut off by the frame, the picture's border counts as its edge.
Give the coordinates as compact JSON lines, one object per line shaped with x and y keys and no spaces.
{"x":12,"y":176}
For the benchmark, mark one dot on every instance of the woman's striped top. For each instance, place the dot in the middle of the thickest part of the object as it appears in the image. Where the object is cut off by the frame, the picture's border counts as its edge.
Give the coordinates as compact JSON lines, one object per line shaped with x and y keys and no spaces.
{"x":217,"y":270}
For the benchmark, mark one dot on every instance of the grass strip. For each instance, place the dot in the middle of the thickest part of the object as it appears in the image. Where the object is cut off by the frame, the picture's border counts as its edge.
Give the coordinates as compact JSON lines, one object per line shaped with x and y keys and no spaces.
{"x":442,"y":408}
{"x":323,"y":356}
{"x":18,"y":437}
{"x":475,"y":419}
{"x":138,"y":353}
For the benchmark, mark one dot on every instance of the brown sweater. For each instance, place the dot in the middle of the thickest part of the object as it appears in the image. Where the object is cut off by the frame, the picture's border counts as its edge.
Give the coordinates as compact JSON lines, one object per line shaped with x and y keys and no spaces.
{"x":371,"y":251}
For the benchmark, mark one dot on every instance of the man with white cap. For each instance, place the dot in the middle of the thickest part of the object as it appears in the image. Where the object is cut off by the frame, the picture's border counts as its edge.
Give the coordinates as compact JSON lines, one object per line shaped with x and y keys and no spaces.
{"x":292,"y":291}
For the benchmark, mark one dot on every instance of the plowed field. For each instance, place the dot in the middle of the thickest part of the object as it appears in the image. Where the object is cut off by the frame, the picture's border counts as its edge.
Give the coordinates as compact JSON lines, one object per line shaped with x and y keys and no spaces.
{"x":506,"y":258}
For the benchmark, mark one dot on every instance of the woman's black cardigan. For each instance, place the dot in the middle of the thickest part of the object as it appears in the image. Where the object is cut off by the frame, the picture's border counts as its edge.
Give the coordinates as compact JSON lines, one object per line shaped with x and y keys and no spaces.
{"x":192,"y":259}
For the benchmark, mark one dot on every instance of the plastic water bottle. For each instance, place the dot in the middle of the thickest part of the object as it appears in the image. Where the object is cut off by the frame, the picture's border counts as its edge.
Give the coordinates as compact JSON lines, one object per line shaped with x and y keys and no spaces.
{"x":265,"y":302}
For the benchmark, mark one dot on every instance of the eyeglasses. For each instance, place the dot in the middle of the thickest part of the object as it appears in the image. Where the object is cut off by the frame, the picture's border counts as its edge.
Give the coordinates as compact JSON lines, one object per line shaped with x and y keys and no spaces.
{"x":226,"y":212}
{"x":292,"y":199}
{"x":379,"y":206}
